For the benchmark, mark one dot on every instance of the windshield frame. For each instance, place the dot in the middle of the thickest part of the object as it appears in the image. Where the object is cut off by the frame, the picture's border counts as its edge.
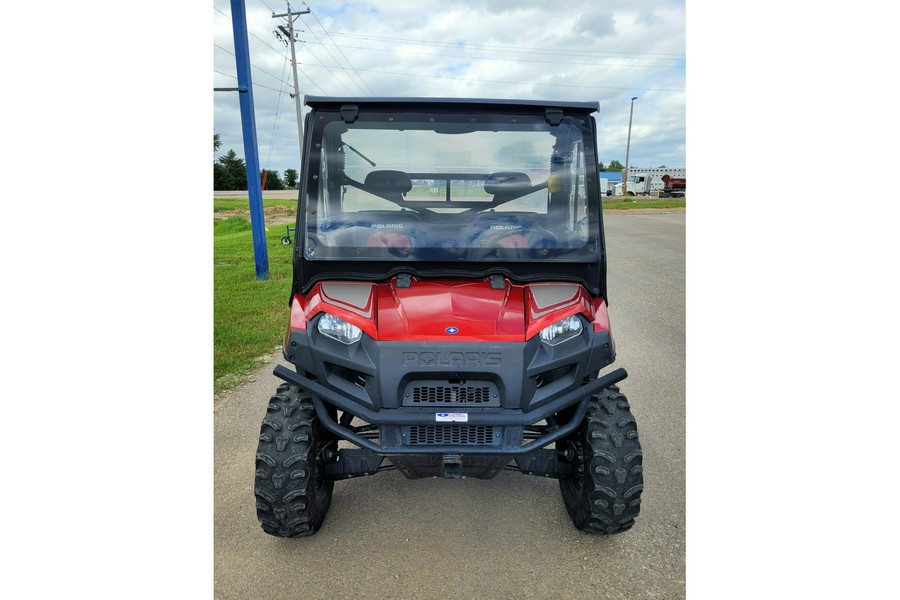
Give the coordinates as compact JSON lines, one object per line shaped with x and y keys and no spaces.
{"x":585,"y":264}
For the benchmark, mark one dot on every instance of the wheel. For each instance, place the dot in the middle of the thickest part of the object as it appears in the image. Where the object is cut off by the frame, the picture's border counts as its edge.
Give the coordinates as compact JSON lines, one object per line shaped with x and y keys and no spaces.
{"x":285,"y":241}
{"x":604,"y":495}
{"x":292,"y":497}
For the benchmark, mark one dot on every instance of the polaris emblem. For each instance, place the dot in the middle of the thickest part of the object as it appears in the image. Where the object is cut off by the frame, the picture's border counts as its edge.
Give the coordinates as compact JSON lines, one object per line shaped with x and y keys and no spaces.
{"x":387,"y":225}
{"x":456,"y":360}
{"x":506,"y":227}
{"x":452,"y":330}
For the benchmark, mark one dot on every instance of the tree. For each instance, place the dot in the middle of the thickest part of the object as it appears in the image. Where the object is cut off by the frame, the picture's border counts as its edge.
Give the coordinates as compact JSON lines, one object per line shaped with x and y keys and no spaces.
{"x":615,"y":166}
{"x":236,"y":169}
{"x":273,"y":180}
{"x":290,"y":177}
{"x":217,"y":142}
{"x":222,"y":179}
{"x":600,"y":166}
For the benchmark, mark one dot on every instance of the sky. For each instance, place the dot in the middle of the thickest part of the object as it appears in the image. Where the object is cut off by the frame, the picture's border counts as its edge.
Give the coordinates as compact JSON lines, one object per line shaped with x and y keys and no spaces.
{"x":584,"y":50}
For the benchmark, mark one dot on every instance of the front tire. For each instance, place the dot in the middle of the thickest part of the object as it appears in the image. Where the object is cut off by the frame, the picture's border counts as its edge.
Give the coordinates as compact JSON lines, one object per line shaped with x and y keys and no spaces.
{"x":604,"y":496}
{"x":292,"y":497}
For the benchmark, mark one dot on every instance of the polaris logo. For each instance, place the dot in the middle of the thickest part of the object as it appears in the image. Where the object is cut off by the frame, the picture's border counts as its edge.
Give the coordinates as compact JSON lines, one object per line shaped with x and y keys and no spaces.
{"x":452,"y":359}
{"x":387,"y":225}
{"x":506,"y":227}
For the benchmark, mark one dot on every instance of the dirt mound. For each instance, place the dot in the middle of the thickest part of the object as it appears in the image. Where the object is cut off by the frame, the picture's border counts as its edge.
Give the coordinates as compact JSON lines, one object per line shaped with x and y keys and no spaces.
{"x":274,"y":215}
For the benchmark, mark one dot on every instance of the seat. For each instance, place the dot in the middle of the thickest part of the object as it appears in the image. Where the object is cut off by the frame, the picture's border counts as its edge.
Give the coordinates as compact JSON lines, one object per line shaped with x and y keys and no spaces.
{"x":388,"y":184}
{"x":507,"y":184}
{"x":511,"y":230}
{"x":390,"y":228}
{"x":386,"y":239}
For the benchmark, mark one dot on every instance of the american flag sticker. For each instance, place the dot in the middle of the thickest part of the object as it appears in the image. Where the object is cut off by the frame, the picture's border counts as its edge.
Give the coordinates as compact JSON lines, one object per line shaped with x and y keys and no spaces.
{"x":451,"y":417}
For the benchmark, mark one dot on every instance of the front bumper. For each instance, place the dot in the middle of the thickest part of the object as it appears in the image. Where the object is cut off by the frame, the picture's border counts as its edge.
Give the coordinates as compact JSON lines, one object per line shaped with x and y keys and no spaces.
{"x":472,"y":398}
{"x":505,"y":425}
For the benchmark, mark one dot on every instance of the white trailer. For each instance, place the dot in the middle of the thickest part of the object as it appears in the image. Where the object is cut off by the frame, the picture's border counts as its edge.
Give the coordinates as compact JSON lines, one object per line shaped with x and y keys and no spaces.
{"x":644,"y":182}
{"x":604,"y":187}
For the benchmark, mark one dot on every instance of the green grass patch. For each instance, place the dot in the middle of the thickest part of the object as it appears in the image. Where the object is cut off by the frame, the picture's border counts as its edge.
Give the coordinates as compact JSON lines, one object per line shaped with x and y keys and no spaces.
{"x":221,"y":204}
{"x":643,"y":203}
{"x":230,"y":225}
{"x":250,"y":315}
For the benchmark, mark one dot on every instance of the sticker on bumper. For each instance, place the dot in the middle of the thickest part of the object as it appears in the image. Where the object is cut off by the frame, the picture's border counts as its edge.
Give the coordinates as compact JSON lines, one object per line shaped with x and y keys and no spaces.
{"x":451,"y":417}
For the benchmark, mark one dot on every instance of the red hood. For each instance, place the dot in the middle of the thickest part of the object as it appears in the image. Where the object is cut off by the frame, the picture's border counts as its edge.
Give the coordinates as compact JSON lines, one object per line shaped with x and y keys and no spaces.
{"x":448,"y":310}
{"x":441,"y":310}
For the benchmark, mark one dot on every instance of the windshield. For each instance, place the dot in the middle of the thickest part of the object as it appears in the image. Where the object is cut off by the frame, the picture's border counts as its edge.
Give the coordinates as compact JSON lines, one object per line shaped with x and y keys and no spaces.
{"x":451,"y":187}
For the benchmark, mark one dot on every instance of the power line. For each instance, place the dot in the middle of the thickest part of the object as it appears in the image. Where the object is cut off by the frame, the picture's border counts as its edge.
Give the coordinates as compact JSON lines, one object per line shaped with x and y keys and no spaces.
{"x":329,"y":54}
{"x":514,"y":49}
{"x":251,"y":33}
{"x":305,"y":74}
{"x":522,"y":60}
{"x":226,"y":50}
{"x":330,"y":72}
{"x":365,"y":83}
{"x":279,"y":52}
{"x":592,"y":87}
{"x":310,"y":80}
{"x":277,"y":115}
{"x":259,"y":85}
{"x":335,"y":59}
{"x":275,"y":49}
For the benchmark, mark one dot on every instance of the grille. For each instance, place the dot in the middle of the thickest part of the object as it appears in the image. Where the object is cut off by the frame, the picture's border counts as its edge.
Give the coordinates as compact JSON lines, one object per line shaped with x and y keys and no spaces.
{"x":451,"y":394}
{"x":451,"y":435}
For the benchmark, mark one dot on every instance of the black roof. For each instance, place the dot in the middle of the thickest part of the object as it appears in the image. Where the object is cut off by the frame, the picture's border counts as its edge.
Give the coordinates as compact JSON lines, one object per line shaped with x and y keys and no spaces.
{"x":316,"y":101}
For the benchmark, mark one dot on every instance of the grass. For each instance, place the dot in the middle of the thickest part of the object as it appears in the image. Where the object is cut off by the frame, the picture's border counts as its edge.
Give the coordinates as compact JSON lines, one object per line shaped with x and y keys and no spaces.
{"x":623,"y":204}
{"x":250,"y":315}
{"x":223,"y":204}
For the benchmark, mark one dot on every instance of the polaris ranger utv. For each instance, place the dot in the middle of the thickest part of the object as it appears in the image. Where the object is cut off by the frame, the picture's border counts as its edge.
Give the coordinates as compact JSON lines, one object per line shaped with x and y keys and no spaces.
{"x":448,"y":312}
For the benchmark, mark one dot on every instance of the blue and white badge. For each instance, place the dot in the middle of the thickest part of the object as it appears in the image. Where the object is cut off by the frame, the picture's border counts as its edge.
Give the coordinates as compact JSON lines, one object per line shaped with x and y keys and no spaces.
{"x":452,"y":330}
{"x":451,"y":417}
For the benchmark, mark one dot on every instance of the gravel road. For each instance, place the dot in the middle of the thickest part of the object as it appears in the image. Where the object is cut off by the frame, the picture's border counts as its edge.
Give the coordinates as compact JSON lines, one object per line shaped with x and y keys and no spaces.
{"x":510,"y":537}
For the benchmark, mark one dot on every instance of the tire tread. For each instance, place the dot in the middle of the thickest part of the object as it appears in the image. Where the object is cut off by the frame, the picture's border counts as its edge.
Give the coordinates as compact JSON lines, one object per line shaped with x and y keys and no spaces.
{"x":605,"y":497}
{"x":290,"y":500}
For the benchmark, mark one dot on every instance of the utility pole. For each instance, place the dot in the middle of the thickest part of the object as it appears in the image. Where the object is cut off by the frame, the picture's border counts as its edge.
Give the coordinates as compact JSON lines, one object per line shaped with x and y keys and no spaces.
{"x":628,"y":149}
{"x":289,"y":34}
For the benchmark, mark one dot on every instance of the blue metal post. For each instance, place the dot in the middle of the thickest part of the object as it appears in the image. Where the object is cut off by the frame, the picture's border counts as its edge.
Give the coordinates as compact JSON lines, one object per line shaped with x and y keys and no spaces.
{"x":248,"y":120}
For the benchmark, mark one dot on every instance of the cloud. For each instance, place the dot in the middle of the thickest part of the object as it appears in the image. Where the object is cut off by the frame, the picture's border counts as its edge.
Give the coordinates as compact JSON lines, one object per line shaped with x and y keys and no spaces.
{"x":596,"y":24}
{"x":467,"y":48}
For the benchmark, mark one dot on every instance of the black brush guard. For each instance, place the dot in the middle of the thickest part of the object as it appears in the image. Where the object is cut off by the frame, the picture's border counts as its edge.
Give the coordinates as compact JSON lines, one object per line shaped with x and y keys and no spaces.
{"x":482,"y":416}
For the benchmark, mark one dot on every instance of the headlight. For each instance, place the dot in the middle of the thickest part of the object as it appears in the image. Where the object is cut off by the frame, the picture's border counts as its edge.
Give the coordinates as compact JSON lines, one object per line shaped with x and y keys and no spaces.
{"x":339,"y":329}
{"x":561,"y":331}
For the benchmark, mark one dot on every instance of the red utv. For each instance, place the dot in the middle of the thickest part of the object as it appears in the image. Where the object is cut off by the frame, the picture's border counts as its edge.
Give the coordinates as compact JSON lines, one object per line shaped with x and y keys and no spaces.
{"x":448,"y":312}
